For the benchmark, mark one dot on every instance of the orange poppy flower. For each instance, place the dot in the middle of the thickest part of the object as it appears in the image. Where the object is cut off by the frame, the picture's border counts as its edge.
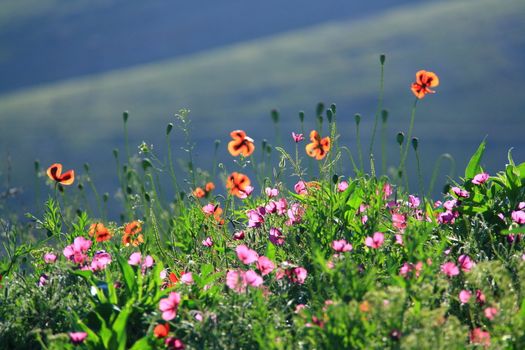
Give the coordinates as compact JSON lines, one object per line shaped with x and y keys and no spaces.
{"x":318,"y":147}
{"x":100,"y":232}
{"x":131,"y":230}
{"x":55,"y":173}
{"x":199,"y":193}
{"x":237,"y":184}
{"x":210,"y":186}
{"x":161,"y":330}
{"x":424,"y":80}
{"x":241,"y":144}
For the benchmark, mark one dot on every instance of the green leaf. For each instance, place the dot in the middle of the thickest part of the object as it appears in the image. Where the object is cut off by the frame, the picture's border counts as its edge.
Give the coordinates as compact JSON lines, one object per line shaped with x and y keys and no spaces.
{"x":142,"y":344}
{"x":473,"y":167}
{"x":514,"y":231}
{"x":130,"y":282}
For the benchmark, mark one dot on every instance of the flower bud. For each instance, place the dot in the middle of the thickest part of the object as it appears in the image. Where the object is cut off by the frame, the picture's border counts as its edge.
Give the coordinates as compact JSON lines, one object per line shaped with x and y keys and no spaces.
{"x":357,"y":119}
{"x":400,"y":138}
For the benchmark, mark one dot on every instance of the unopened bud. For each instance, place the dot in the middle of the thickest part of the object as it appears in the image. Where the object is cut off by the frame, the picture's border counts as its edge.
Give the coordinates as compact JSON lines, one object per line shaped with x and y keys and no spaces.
{"x":125,"y":116}
{"x":400,"y":138}
{"x":357,"y":118}
{"x":169,"y":128}
{"x":415,"y":143}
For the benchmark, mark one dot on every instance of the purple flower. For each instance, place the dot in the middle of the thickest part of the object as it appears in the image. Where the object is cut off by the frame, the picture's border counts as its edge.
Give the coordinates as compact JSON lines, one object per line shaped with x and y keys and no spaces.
{"x":480,"y":179}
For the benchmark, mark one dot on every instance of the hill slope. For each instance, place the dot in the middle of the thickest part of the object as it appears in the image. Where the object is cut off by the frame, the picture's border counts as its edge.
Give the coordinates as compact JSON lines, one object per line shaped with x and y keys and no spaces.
{"x":477,"y":48}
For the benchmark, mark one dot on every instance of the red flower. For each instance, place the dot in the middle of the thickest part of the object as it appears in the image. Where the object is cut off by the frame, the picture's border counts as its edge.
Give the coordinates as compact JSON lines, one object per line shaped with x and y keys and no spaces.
{"x":424,"y":80}
{"x":241,"y":144}
{"x":319,"y":147}
{"x":55,"y":173}
{"x":161,"y":330}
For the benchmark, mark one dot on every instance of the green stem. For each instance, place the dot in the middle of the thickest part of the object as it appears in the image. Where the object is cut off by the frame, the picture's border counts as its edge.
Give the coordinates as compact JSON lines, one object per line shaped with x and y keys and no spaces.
{"x":379,"y":109}
{"x":409,"y":136}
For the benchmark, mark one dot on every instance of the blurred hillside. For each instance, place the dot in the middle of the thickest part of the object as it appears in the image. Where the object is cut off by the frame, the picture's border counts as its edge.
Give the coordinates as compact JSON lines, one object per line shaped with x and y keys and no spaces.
{"x":50,"y":40}
{"x":476,"y":47}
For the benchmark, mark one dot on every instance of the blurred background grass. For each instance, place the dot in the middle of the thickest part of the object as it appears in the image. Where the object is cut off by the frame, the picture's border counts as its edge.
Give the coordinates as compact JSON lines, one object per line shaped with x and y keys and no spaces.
{"x":70,"y":69}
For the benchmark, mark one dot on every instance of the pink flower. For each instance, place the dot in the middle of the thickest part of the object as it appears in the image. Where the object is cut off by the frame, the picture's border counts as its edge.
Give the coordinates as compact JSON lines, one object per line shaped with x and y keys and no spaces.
{"x":341,"y":246}
{"x":187,"y":278}
{"x":464,"y":296}
{"x":76,"y":251}
{"x":135,"y":259}
{"x":490,"y":312}
{"x":298,"y":275}
{"x":50,"y":258}
{"x":42,"y":281}
{"x":299,"y":307}
{"x":297,"y":137}
{"x":518,"y":216}
{"x":208,"y":242}
{"x":450,"y":204}
{"x":465,"y":263}
{"x":276,"y":236}
{"x":238,"y":235}
{"x":300,"y":187}
{"x":248,"y":190}
{"x":246,"y":255}
{"x":208,"y":209}
{"x":480,"y":179}
{"x":252,"y":278}
{"x":480,"y":297}
{"x":271,"y":207}
{"x":100,"y":261}
{"x":375,"y":241}
{"x":173,"y":343}
{"x":447,"y":217}
{"x":169,"y":306}
{"x":235,"y":280}
{"x":342,"y":186}
{"x":408,"y":267}
{"x":77,"y":337}
{"x":271,"y":192}
{"x":521,"y":205}
{"x":460,"y":193}
{"x":387,"y":190}
{"x":265,"y":265}
{"x":480,"y":337}
{"x":399,"y":221}
{"x":295,"y":214}
{"x":450,"y":269}
{"x":282,"y":206}
{"x":399,"y":239}
{"x":255,"y":219}
{"x":413,"y":201}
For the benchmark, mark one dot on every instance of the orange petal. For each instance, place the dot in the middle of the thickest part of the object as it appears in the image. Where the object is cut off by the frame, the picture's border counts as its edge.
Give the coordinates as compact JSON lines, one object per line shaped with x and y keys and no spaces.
{"x":238,"y":135}
{"x":54,"y":171}
{"x":67,"y":178}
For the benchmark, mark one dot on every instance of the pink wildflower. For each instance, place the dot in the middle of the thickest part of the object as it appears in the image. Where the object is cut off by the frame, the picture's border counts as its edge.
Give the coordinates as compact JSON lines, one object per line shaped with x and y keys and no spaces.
{"x":100,"y":261}
{"x":300,"y":187}
{"x":265,"y":265}
{"x":239,"y":235}
{"x":341,"y":246}
{"x":413,"y":201}
{"x":460,"y":192}
{"x":235,"y":280}
{"x":298,"y":275}
{"x":387,"y":190}
{"x":399,"y":221}
{"x":375,"y":241}
{"x":282,"y":206}
{"x":50,"y":258}
{"x":295,"y":214}
{"x":252,"y":278}
{"x":173,"y":343}
{"x":465,"y":263}
{"x":480,"y":178}
{"x":169,"y":306}
{"x":135,"y":259}
{"x":276,"y":236}
{"x":450,"y":269}
{"x":342,"y":186}
{"x":480,"y":337}
{"x":480,"y":297}
{"x":297,"y":137}
{"x":271,"y":192}
{"x":255,"y":219}
{"x":187,"y":278}
{"x":77,"y":337}
{"x":518,"y":216}
{"x":208,"y":242}
{"x":464,"y":296}
{"x":490,"y":312}
{"x":246,"y":255}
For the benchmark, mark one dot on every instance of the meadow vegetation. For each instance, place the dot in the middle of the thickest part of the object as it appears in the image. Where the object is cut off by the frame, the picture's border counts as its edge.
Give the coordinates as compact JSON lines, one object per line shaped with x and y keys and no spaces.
{"x":253,"y":255}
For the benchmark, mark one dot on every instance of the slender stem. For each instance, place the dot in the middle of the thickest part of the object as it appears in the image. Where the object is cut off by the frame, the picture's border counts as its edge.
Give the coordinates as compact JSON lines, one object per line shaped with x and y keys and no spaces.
{"x":359,"y":149}
{"x":420,"y":178}
{"x":379,"y":109}
{"x":383,"y":149}
{"x":437,"y":167}
{"x":409,"y":136}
